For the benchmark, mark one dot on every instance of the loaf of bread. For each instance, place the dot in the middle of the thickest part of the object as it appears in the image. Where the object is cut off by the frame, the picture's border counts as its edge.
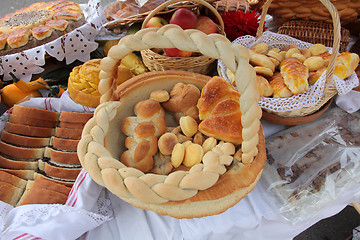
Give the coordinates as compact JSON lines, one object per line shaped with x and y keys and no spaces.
{"x":143,"y":132}
{"x":66,"y":183}
{"x":68,"y":133}
{"x":12,"y":179}
{"x":21,"y":173}
{"x":72,"y":125}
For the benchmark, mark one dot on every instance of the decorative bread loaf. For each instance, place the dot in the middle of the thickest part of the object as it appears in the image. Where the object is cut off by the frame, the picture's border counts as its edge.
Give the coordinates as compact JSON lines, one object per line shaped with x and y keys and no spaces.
{"x":219,"y":110}
{"x":38,"y":24}
{"x":143,"y":132}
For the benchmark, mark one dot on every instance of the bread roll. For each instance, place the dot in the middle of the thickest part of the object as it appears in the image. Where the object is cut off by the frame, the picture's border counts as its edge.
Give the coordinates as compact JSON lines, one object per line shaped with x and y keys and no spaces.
{"x":295,"y":75}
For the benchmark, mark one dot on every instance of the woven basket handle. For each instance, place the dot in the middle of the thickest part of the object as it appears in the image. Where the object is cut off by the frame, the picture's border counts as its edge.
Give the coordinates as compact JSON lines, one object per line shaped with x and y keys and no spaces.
{"x":167,"y":3}
{"x":337,"y":35}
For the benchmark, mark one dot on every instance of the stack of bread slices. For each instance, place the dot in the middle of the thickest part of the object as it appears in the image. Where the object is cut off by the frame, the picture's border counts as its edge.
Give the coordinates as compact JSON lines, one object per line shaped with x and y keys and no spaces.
{"x":39,"y":147}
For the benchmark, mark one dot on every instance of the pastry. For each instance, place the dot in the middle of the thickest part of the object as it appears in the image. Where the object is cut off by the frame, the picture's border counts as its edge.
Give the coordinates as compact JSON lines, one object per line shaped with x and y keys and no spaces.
{"x":295,"y":75}
{"x":280,"y":90}
{"x":219,"y":110}
{"x":346,"y":64}
{"x":264,"y":86}
{"x":38,"y":24}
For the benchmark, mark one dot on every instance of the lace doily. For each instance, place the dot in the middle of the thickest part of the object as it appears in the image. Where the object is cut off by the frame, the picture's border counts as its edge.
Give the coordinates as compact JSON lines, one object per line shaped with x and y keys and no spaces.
{"x":75,"y":45}
{"x":307,"y":99}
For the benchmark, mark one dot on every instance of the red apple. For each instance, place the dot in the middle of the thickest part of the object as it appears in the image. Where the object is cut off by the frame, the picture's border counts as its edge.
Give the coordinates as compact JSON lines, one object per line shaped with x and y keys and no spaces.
{"x":174,"y":52}
{"x":184,"y":18}
{"x":156,"y":22}
{"x":206,"y":25}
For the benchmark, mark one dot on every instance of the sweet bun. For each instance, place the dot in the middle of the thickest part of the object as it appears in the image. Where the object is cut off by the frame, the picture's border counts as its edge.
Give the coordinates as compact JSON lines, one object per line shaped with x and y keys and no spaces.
{"x":280,"y":90}
{"x":295,"y":75}
{"x":314,"y":63}
{"x":257,"y":59}
{"x":317,"y":49}
{"x":264,"y":87}
{"x":346,"y":64}
{"x":218,"y":106}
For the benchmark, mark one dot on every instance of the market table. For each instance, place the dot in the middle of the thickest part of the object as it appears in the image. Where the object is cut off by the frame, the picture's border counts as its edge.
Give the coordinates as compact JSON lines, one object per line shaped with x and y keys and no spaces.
{"x":92,"y":212}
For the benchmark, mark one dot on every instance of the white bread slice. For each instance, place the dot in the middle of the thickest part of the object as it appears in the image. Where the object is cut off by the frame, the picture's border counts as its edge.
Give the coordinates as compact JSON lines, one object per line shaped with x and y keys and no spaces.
{"x":28,"y":130}
{"x":68,"y":133}
{"x":21,"y":152}
{"x":24,"y":174}
{"x":25,"y":141}
{"x":62,"y":157}
{"x":36,"y":113}
{"x":15,"y":164}
{"x":9,"y":193}
{"x":44,"y":183}
{"x":12,"y":179}
{"x":64,"y":144}
{"x":35,"y":195}
{"x":72,"y":125}
{"x":67,"y":183}
{"x":76,"y":117}
{"x":59,"y":172}
{"x":28,"y":120}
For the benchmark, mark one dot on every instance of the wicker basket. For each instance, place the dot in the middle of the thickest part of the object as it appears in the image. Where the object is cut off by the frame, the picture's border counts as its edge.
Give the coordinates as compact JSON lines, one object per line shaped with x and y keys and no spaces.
{"x":329,"y":91}
{"x":199,"y":64}
{"x":118,"y":25}
{"x":285,"y":10}
{"x":231,"y":5}
{"x":315,"y":32}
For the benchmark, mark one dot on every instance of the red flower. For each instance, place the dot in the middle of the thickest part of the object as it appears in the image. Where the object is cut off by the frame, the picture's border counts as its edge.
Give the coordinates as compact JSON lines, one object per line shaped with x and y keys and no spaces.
{"x":240,"y":23}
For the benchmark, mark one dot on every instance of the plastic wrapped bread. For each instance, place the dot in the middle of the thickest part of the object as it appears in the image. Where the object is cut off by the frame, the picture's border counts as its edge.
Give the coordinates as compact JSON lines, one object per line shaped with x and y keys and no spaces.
{"x":310,"y":165}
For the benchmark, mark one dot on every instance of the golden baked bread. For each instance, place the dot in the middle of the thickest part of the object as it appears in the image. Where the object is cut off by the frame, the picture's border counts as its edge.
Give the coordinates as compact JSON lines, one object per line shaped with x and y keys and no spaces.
{"x":219,"y":110}
{"x":174,"y":194}
{"x":264,"y":87}
{"x":25,"y":141}
{"x":8,"y":163}
{"x":83,"y":83}
{"x":295,"y":75}
{"x":35,"y":113}
{"x":346,"y":63}
{"x":38,"y":24}
{"x":280,"y":90}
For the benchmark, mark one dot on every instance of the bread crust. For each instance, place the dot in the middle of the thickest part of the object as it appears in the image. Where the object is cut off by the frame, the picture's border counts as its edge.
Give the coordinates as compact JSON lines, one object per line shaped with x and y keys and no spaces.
{"x":68,"y":133}
{"x":61,"y":157}
{"x":14,"y":164}
{"x":21,"y":152}
{"x":77,"y":117}
{"x":37,"y":113}
{"x":52,"y":170}
{"x":24,"y":141}
{"x":64,"y":144}
{"x":28,"y":120}
{"x":28,"y":130}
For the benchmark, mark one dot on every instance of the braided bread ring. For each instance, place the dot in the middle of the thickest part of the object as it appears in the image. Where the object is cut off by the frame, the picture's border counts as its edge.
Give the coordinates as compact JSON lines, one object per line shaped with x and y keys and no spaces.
{"x":136,"y":184}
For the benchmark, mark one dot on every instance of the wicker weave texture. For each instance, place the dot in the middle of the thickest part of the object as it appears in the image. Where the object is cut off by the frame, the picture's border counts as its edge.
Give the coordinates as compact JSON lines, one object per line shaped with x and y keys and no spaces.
{"x":285,"y":10}
{"x":315,"y":32}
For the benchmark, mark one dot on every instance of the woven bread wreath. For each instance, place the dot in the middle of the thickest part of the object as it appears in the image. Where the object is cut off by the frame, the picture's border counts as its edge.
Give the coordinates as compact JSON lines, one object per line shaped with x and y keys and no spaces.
{"x":151,"y":188}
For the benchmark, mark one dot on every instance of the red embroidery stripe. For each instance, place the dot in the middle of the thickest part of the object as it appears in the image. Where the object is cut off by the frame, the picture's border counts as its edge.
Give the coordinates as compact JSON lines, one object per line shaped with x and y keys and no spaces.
{"x":82,"y":180}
